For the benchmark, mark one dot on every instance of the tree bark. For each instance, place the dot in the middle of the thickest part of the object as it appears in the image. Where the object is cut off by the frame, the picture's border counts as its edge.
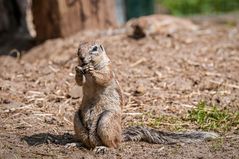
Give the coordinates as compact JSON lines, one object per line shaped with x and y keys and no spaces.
{"x":60,"y":18}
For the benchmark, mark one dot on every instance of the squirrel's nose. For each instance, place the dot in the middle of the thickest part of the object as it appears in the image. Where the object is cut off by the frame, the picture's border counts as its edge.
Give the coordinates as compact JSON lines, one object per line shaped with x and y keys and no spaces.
{"x":82,"y":58}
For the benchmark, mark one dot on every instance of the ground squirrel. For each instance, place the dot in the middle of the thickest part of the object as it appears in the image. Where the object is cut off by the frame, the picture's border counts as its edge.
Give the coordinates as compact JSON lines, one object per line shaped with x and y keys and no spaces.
{"x":98,"y":120}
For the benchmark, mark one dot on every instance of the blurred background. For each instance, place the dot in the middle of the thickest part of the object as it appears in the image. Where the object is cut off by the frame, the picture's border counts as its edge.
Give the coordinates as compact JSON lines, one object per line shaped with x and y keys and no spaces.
{"x":177,"y":62}
{"x":27,"y":22}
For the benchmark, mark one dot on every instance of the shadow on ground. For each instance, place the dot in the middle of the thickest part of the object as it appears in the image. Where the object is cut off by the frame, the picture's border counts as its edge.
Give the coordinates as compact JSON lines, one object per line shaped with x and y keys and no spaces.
{"x":12,"y":44}
{"x":47,"y":138}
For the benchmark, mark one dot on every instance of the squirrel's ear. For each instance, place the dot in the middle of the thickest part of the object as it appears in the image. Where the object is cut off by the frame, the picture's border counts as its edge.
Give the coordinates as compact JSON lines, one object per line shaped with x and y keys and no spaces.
{"x":102,"y":48}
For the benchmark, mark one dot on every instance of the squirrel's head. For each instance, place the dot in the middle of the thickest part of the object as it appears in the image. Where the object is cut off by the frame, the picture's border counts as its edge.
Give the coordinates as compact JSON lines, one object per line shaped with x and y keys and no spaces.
{"x":91,"y":52}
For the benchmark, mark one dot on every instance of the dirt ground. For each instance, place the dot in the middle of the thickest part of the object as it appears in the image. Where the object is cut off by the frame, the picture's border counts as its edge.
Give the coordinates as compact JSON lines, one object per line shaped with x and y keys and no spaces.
{"x":162,"y":74}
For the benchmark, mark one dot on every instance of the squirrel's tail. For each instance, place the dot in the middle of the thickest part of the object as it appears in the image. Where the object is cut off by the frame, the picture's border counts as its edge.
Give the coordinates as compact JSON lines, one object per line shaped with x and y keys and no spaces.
{"x":140,"y":133}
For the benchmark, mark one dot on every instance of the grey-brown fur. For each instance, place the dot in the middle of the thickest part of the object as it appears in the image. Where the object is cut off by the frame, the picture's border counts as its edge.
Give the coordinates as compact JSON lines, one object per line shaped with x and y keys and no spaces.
{"x":98,"y":120}
{"x":140,"y":133}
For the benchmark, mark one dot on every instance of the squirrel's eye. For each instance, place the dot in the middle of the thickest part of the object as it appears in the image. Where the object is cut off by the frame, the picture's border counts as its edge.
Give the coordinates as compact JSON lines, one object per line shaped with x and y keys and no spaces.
{"x":95,"y":48}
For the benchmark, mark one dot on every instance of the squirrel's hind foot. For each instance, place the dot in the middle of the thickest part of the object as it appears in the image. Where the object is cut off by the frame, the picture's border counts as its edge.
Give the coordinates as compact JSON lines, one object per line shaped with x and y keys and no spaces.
{"x":73,"y":145}
{"x":100,"y":150}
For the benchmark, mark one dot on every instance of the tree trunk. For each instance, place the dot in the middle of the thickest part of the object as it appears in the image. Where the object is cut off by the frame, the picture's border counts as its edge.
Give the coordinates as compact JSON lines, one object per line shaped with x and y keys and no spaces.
{"x":60,"y":18}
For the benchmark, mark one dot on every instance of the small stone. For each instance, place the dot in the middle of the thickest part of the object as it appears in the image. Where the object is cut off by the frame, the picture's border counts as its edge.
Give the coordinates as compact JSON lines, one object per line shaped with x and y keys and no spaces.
{"x":50,"y":120}
{"x":140,"y":90}
{"x":6,"y":101}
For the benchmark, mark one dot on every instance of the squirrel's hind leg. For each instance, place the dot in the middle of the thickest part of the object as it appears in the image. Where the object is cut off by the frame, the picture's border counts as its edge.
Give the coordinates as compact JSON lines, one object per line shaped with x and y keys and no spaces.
{"x":81,"y":132}
{"x":109,"y":129}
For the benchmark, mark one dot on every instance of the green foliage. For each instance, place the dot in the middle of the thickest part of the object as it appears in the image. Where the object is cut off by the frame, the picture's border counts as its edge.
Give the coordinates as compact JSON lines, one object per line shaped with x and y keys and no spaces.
{"x":204,"y":117}
{"x":172,"y":123}
{"x":213,"y":118}
{"x":187,"y":7}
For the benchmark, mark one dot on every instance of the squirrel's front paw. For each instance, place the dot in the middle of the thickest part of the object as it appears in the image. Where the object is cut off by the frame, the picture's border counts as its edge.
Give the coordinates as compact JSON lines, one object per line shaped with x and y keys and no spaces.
{"x":79,"y":70}
{"x":88,"y":68}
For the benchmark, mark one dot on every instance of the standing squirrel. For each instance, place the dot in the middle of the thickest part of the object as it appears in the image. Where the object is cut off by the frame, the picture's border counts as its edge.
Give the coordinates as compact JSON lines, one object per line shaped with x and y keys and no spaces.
{"x":98,"y":120}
